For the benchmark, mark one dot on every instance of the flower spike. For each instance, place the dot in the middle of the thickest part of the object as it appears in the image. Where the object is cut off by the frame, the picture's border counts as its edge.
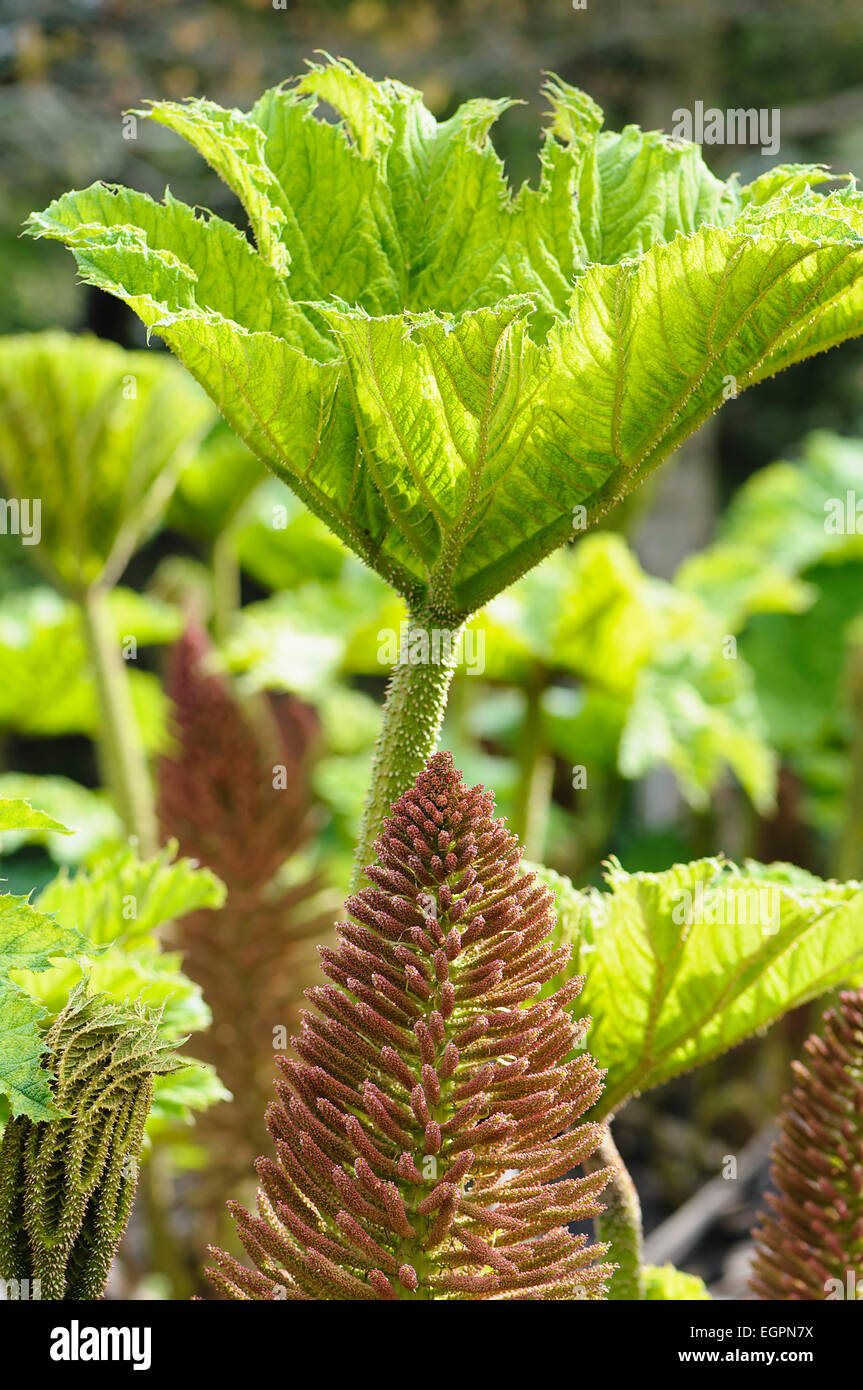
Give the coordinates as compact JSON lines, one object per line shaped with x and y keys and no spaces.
{"x":425,"y":1137}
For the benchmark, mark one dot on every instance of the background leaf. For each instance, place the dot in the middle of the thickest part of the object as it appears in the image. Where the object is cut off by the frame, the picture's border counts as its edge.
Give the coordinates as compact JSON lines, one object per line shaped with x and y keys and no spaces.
{"x":683,"y":965}
{"x":97,"y":435}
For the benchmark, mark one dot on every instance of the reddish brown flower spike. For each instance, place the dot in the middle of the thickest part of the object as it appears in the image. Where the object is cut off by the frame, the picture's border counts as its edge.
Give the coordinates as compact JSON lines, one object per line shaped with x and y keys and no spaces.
{"x":422,"y":1146}
{"x":810,"y":1244}
{"x":218,"y":799}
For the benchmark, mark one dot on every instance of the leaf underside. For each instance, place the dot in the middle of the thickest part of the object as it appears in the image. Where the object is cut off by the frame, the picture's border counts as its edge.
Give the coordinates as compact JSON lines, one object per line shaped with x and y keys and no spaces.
{"x":685,"y":964}
{"x":443,"y":369}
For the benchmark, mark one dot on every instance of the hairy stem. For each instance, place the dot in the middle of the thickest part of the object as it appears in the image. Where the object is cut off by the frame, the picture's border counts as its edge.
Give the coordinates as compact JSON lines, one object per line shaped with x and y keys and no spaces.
{"x":620,"y":1223}
{"x":412,"y":717}
{"x":121,"y":751}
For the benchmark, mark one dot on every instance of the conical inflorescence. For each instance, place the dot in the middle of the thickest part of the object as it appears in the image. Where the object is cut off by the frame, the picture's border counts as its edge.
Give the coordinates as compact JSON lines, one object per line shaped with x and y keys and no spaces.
{"x":424,"y":1138}
{"x":810,"y":1245}
{"x":67,"y":1185}
{"x":219,"y":798}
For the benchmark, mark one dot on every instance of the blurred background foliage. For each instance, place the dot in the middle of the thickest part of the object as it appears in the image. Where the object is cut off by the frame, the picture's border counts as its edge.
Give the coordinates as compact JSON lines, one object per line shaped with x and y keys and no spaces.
{"x":688,"y":681}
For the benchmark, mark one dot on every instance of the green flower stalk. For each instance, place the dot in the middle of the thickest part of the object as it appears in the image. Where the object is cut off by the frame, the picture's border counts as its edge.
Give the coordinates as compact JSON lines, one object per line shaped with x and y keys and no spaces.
{"x":424,"y":1138}
{"x":67,"y":1186}
{"x":810,"y":1244}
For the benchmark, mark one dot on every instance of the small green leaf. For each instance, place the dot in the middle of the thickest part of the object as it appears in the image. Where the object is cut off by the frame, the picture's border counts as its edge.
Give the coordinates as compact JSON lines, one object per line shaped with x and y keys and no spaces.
{"x":665,"y":1282}
{"x":126,"y":898}
{"x":94,"y":819}
{"x":29,"y":940}
{"x":23,"y":1079}
{"x":18,"y":814}
{"x":215,"y":485}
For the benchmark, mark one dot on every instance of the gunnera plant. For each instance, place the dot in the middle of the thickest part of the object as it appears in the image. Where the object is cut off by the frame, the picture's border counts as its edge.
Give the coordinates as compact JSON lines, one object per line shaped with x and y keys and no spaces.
{"x":222,"y":798}
{"x":67,"y":1185}
{"x":424,"y":1138}
{"x":810,"y":1244}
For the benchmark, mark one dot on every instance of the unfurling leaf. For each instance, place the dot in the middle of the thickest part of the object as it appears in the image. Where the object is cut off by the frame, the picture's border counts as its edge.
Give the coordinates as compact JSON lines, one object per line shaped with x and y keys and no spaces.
{"x":67,"y":1185}
{"x":124,"y":905}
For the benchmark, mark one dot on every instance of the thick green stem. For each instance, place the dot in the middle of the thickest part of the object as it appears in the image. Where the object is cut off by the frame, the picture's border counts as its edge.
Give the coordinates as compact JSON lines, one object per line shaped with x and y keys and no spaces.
{"x":620,"y":1223}
{"x":536,"y":774}
{"x":121,"y":752}
{"x":413,"y":714}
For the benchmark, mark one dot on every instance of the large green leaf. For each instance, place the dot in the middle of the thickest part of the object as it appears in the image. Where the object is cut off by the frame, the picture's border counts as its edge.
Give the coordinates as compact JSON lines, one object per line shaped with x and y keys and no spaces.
{"x":302,"y":639}
{"x":31,"y":941}
{"x":48,"y":687}
{"x":650,"y":653}
{"x":782,"y":521}
{"x":799,"y":662}
{"x":282,"y":544}
{"x":123,"y":898}
{"x":97,"y":435}
{"x":685,"y":964}
{"x":214,"y":485}
{"x":443,"y":370}
{"x":122,"y":905}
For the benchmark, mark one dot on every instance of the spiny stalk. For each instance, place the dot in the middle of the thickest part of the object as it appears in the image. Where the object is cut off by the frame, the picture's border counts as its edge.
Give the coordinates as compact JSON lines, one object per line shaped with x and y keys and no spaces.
{"x":67,"y":1186}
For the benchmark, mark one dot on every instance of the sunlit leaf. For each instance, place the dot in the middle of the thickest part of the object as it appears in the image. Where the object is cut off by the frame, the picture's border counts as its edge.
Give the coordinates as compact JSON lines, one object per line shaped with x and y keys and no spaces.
{"x":685,"y":964}
{"x":48,"y":685}
{"x":664,"y":1282}
{"x":95,"y":436}
{"x":442,"y":370}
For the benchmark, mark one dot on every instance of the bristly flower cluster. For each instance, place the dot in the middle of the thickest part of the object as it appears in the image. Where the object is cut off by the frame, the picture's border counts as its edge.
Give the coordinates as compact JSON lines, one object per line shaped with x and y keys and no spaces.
{"x":813,"y":1235}
{"x":219,"y":798}
{"x":424,"y":1139}
{"x":67,"y":1185}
